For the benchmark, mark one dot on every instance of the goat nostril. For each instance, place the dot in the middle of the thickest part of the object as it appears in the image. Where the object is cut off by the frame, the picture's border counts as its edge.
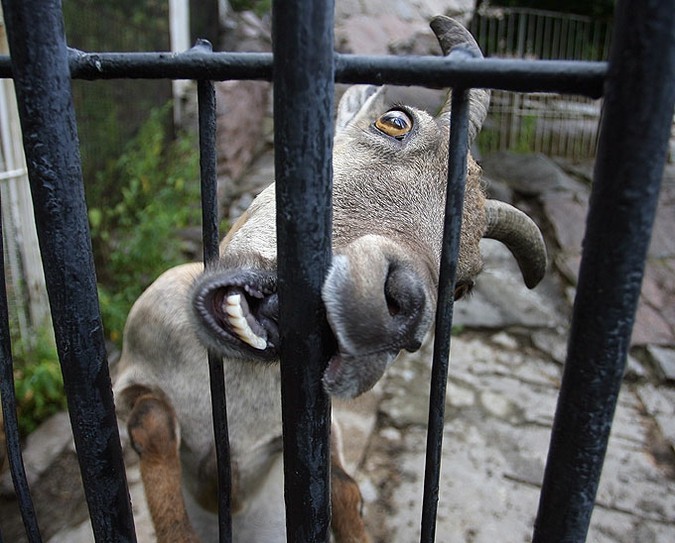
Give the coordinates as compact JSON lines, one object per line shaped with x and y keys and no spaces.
{"x":392,"y":305}
{"x":403,"y":292}
{"x":406,"y":301}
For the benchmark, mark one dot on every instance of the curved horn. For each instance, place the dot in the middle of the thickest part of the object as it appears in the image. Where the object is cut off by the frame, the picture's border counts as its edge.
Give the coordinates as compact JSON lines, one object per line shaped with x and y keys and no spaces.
{"x":521,"y":236}
{"x":451,"y":34}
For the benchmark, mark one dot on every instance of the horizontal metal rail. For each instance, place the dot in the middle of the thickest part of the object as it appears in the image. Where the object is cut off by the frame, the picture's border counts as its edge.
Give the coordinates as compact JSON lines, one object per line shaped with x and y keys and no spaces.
{"x":562,"y":76}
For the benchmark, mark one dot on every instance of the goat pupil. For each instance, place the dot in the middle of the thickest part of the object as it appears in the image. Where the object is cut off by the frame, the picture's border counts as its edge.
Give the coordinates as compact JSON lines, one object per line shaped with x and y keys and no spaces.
{"x":394,"y":123}
{"x":397,"y":122}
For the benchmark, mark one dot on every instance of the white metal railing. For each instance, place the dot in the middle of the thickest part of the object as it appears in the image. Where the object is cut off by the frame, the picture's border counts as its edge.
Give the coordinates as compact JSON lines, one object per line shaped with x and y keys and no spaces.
{"x":556,"y":125}
{"x":25,"y":279}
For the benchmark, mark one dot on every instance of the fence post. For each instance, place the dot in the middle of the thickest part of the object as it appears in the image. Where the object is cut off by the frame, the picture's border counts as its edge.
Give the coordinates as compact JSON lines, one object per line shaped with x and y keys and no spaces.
{"x":454,"y":205}
{"x":635,"y":129}
{"x":303,"y":100}
{"x":42,"y":80}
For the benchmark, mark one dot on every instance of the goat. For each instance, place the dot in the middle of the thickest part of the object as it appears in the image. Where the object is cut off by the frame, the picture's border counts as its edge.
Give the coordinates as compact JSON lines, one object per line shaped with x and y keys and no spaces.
{"x":390,"y":168}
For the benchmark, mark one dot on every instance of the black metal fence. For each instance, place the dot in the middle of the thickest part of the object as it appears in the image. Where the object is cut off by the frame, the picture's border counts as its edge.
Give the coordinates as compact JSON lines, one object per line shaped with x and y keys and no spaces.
{"x":638,"y":85}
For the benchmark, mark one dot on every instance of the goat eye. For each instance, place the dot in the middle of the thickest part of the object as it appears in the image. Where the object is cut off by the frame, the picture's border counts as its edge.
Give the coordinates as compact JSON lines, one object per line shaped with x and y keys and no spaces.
{"x":394,"y":123}
{"x":462,"y":288}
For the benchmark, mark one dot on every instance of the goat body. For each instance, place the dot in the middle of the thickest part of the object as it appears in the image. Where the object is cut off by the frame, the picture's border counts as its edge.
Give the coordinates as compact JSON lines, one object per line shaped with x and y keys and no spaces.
{"x":390,"y":170}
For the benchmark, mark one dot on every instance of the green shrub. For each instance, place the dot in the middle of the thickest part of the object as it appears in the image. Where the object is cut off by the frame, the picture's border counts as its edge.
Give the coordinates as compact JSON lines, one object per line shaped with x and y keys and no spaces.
{"x":134,"y":240}
{"x":526,"y":135}
{"x":134,"y":237}
{"x":38,"y":382}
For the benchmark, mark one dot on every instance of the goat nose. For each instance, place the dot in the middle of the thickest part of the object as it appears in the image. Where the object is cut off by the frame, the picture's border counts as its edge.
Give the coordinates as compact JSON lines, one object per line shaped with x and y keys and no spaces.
{"x":405,"y":299}
{"x":376,"y":299}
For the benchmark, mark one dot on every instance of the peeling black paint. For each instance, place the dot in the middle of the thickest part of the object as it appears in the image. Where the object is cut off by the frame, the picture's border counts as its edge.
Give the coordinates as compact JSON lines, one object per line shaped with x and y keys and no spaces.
{"x":42,"y":81}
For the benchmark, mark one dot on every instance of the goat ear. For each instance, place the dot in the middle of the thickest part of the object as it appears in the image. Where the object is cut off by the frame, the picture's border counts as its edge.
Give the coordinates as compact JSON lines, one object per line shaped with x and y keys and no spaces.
{"x":358,"y":101}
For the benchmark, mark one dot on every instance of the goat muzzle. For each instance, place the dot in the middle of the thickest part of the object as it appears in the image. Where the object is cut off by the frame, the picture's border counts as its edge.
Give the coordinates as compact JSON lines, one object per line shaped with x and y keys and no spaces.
{"x":377,"y":304}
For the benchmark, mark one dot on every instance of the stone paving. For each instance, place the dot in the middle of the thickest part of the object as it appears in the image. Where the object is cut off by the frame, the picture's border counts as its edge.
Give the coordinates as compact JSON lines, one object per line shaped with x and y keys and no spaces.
{"x":500,"y":403}
{"x":505,"y":367}
{"x":505,"y":371}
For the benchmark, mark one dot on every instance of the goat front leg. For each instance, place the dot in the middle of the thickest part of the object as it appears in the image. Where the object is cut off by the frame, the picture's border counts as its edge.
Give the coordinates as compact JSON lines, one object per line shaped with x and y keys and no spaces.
{"x":153,"y":430}
{"x":346,"y":500}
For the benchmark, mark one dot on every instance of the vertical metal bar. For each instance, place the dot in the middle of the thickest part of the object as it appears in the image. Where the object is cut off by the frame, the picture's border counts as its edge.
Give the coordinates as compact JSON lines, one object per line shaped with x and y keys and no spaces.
{"x":583,"y":46}
{"x":609,"y":32}
{"x":492,"y":34}
{"x":42,"y":80}
{"x":303,"y":101}
{"x":11,"y":423}
{"x":511,"y":36}
{"x":454,"y":203}
{"x":547,"y":46}
{"x":206,"y":97}
{"x":597,"y":54}
{"x":500,"y":35}
{"x":555,"y":40}
{"x":483,"y":38}
{"x":635,"y":129}
{"x":522,"y":29}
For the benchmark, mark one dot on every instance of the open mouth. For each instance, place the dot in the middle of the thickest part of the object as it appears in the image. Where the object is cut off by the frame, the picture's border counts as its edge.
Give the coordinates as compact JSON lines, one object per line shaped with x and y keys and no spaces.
{"x":241,"y":309}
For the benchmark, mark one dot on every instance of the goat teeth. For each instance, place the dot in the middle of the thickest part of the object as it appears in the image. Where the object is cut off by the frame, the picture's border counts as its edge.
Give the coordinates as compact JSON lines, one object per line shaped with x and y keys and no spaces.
{"x":240,"y":323}
{"x":242,"y":328}
{"x":234,"y":299}
{"x":251,"y":339}
{"x":258,"y":343}
{"x":234,"y":311}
